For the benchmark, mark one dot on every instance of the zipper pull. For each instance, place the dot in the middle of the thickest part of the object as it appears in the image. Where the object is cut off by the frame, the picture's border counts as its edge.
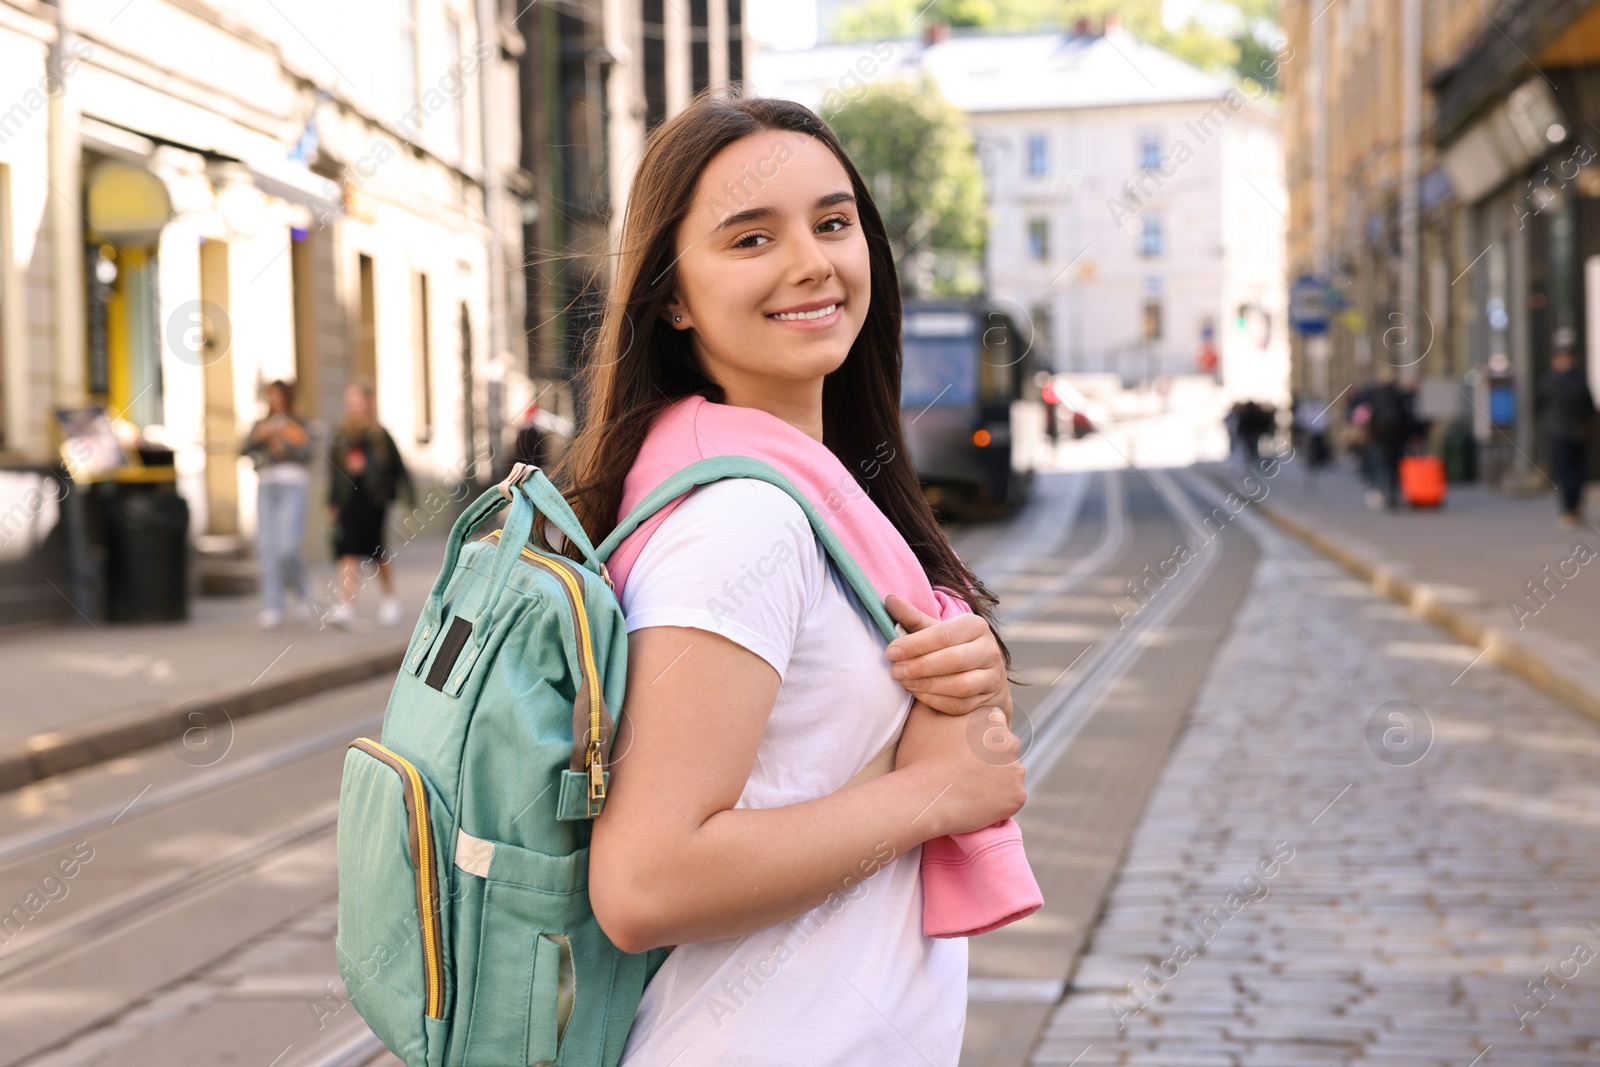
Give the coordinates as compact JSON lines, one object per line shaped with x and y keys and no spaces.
{"x":597,"y":780}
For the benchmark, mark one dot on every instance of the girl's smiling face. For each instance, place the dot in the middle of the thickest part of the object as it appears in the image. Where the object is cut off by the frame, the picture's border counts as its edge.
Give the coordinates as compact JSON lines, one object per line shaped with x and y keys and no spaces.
{"x":773,"y":229}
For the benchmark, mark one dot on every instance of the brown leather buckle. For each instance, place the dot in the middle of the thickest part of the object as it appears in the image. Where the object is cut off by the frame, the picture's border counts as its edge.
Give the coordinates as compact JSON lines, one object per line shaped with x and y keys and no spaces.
{"x":520,"y":472}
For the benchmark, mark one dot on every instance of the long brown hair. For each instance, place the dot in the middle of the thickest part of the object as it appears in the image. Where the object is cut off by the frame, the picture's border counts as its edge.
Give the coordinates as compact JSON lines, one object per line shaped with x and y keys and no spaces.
{"x":639,"y":365}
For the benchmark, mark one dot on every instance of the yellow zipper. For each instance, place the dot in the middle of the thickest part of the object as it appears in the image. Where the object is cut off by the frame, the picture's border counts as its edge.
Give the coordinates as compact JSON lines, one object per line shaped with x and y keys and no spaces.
{"x":593,"y":759}
{"x":432,"y":963}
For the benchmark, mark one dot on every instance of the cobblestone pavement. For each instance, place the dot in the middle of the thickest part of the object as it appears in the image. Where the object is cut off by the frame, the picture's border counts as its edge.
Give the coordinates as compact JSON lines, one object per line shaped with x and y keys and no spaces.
{"x":1367,"y":849}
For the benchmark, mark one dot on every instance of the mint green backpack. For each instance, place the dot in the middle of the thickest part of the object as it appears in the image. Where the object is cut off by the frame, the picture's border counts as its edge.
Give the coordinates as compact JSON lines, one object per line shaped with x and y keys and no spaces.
{"x":465,"y":935}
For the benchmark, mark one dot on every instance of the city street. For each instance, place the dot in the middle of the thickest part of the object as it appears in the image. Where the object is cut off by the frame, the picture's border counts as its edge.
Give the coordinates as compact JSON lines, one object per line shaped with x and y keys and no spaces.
{"x":1277,"y":819}
{"x":1246,"y":349}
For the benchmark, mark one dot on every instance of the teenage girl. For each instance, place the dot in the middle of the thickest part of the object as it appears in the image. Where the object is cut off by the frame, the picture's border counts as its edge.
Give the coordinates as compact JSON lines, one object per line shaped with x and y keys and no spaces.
{"x":795,"y":911}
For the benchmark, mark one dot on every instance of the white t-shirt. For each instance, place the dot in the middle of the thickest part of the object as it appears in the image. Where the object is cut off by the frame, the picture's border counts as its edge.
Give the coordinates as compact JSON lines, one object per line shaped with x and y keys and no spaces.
{"x":852,"y":981}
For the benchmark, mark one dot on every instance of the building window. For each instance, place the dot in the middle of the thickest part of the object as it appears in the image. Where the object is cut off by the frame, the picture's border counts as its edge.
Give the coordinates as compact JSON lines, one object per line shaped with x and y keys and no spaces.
{"x":699,"y":45}
{"x":1149,"y":150}
{"x":7,"y":303}
{"x":1039,"y":239}
{"x":654,"y":66}
{"x":1150,"y":239}
{"x":405,"y":85}
{"x":451,"y":119}
{"x":735,"y":40}
{"x":1043,"y":352}
{"x":422,"y":345}
{"x":1038,"y":156}
{"x":366,"y":362}
{"x":1150,"y":319}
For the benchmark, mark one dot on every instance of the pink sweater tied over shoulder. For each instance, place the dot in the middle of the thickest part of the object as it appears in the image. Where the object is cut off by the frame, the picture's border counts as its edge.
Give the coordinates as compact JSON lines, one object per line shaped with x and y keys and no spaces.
{"x":971,"y":883}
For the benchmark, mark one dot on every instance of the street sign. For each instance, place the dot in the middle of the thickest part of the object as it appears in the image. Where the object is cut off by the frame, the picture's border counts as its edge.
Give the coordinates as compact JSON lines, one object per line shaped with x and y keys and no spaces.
{"x":1308,"y":305}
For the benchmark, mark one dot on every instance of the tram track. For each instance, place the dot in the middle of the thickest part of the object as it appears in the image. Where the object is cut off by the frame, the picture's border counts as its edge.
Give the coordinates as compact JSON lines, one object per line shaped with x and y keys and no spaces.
{"x":357,"y":1050}
{"x":43,"y":840}
{"x":148,"y":893}
{"x":1044,"y":526}
{"x":1113,"y":542}
{"x":1063,"y":714}
{"x":103,"y":919}
{"x":109,"y":917}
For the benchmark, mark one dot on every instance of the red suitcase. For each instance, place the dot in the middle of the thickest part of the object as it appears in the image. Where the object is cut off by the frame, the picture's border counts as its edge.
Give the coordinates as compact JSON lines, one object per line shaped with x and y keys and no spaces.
{"x":1422,"y":481}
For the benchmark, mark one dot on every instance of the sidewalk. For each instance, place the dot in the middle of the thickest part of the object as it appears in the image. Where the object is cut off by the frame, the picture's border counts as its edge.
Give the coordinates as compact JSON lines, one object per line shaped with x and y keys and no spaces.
{"x":1497,"y":572}
{"x":1356,"y":856}
{"x":78,"y":694}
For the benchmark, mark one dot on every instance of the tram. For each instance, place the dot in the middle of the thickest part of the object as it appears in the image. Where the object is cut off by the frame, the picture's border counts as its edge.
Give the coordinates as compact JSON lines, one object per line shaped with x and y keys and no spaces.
{"x":971,"y":412}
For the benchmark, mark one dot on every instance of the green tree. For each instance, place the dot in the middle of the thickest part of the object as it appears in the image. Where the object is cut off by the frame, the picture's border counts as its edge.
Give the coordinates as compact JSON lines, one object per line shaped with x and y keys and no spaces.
{"x":917,"y":157}
{"x":879,"y":19}
{"x":1246,"y":51}
{"x":1259,"y":38}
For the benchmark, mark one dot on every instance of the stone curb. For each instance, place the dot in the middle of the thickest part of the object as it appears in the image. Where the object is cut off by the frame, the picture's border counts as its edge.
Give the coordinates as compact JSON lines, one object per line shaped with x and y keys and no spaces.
{"x":51,"y":753}
{"x":1546,"y":670}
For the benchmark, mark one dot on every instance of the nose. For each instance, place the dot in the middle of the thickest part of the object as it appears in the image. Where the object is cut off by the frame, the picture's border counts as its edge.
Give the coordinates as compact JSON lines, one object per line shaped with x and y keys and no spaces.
{"x":811,"y":262}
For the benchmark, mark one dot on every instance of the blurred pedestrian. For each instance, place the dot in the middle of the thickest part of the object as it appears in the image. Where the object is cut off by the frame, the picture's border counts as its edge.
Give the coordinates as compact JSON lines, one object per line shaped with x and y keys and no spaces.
{"x":1048,"y":394}
{"x":1388,"y":429}
{"x":281,"y":449}
{"x":1310,"y":427}
{"x":531,"y":445}
{"x":367,"y":473}
{"x":1569,"y":417}
{"x":1266,"y":426}
{"x":1357,"y":437}
{"x":1254,"y":421}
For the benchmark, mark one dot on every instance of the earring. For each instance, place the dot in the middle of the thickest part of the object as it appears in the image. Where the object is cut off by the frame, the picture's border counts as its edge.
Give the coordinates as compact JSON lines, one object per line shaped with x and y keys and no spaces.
{"x":677,"y":318}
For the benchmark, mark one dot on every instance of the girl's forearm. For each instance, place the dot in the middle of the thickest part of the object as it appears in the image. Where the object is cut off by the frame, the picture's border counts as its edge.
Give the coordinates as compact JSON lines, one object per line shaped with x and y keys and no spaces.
{"x":746,"y":869}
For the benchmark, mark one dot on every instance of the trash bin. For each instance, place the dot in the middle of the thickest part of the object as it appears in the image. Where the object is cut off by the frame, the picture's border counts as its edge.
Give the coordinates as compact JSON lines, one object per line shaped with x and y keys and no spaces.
{"x":1460,"y":452}
{"x":147,"y":552}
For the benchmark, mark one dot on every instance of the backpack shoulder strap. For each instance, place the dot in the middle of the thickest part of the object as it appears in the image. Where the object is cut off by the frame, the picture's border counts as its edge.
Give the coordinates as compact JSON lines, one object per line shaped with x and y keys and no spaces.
{"x":718,"y":467}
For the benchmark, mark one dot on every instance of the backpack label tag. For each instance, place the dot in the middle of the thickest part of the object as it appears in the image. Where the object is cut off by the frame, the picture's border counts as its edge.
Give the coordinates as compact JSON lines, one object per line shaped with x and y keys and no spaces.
{"x":449,"y":648}
{"x":473,"y":854}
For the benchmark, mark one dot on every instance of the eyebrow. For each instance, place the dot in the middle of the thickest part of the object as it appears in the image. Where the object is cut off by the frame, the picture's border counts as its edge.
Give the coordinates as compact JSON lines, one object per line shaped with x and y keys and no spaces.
{"x":750,"y":214}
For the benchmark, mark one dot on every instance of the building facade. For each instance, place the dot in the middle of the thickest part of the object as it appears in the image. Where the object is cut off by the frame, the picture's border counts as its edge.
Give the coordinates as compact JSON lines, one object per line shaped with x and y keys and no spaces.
{"x":596,"y":80}
{"x":1445,"y":195}
{"x":197,"y":198}
{"x":1135,"y":202}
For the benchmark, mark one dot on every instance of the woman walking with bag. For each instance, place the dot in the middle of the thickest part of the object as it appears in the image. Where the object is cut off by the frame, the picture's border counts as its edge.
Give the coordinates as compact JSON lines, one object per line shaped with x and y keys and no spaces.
{"x":367,"y":474}
{"x":757,"y":682}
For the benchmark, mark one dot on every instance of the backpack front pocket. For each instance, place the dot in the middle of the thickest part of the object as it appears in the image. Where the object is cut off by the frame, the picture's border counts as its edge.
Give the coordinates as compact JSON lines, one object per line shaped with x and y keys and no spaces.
{"x":390,"y":938}
{"x":517,"y":980}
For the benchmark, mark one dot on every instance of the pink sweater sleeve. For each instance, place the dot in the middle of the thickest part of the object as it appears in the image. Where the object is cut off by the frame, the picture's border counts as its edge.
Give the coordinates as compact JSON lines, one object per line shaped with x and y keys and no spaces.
{"x":980,"y":881}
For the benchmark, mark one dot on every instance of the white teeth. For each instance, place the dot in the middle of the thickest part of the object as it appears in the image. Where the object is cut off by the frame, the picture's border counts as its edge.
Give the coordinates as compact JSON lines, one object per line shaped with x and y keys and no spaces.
{"x":820,"y":313}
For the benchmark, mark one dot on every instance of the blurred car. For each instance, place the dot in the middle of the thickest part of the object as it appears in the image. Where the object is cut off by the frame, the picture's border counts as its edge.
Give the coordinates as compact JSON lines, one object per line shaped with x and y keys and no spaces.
{"x":1087,"y":415}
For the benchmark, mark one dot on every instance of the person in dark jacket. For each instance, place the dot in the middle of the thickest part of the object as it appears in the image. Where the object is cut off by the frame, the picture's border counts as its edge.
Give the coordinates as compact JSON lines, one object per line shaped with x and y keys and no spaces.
{"x":367,"y":474}
{"x":1389,"y":427}
{"x":532,"y":445}
{"x":1569,"y":418}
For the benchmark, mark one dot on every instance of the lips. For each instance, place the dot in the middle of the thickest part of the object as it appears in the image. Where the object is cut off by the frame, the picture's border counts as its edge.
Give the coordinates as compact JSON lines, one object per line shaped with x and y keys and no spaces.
{"x":818,"y":311}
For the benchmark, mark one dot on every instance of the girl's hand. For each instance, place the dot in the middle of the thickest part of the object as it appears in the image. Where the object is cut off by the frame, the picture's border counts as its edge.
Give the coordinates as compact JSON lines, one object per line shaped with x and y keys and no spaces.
{"x":970,"y":765}
{"x":953,"y":665}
